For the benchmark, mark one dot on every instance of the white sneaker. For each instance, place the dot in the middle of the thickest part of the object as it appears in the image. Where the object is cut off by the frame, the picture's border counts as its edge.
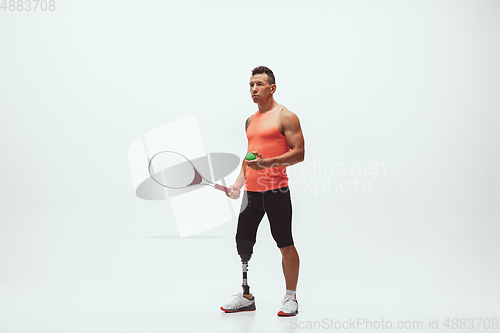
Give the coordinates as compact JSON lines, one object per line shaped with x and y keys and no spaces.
{"x":289,"y":307}
{"x":239,"y":303}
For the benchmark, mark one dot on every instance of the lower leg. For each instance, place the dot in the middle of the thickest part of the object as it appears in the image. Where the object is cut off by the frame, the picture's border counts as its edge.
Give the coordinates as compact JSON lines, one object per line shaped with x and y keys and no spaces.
{"x":290,"y":263}
{"x":246,"y":287}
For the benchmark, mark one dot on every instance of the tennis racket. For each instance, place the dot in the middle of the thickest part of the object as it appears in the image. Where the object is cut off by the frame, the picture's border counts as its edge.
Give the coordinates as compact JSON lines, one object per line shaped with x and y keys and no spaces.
{"x":174,"y":170}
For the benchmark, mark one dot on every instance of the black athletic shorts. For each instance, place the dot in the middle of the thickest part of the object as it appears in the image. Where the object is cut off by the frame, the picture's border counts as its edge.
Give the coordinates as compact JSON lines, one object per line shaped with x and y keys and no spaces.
{"x":278,"y":206}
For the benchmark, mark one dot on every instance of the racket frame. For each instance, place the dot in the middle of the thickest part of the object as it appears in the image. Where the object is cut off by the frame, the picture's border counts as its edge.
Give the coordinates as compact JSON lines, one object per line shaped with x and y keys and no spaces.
{"x":197,"y":174}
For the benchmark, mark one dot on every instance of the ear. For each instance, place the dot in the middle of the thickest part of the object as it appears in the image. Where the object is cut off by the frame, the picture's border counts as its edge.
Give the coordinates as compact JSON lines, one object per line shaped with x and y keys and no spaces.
{"x":273,"y":88}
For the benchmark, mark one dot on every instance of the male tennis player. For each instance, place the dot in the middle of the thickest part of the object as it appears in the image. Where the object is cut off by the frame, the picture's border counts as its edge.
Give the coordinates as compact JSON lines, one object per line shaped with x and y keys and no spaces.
{"x":275,"y":138}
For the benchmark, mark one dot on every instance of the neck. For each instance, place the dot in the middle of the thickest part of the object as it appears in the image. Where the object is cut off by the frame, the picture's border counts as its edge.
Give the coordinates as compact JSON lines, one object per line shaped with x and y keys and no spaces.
{"x":267,"y":105}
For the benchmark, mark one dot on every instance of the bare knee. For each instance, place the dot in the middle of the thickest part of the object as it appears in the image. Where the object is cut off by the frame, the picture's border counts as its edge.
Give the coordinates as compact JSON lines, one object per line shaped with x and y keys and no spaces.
{"x":288,"y":251}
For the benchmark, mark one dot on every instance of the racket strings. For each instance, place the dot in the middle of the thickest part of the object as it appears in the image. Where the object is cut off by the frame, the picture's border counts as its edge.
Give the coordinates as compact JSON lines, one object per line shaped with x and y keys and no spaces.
{"x":172,"y":170}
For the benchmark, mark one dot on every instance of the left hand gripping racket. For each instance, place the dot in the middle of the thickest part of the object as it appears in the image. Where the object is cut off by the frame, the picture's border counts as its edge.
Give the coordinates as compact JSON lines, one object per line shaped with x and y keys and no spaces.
{"x":173,"y":170}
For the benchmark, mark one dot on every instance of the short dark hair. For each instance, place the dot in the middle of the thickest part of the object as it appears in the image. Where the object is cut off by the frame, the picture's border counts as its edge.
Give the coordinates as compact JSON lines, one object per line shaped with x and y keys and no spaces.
{"x":263,"y":69}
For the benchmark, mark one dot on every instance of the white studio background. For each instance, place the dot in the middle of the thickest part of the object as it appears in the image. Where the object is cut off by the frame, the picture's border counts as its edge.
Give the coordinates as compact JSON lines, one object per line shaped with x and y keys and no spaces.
{"x":409,"y":86}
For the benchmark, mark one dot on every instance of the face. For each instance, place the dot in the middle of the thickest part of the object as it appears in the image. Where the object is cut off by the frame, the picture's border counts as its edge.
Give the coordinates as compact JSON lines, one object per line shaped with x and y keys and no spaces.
{"x":260,"y":89}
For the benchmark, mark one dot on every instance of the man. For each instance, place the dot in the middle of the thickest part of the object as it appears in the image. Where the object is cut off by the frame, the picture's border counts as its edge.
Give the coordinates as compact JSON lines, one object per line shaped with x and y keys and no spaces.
{"x":275,"y":138}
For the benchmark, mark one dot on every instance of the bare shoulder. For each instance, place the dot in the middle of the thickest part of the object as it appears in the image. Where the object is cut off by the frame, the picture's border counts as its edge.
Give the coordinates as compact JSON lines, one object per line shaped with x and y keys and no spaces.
{"x":287,"y":119}
{"x":286,"y":114}
{"x":247,"y":123}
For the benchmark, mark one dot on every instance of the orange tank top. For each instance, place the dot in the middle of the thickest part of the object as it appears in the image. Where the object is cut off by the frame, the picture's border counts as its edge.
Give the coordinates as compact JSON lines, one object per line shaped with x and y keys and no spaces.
{"x":264,"y":136}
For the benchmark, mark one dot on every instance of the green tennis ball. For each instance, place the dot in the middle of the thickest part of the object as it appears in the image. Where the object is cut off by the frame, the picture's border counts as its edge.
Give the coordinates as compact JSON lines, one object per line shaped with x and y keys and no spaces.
{"x":250,"y":156}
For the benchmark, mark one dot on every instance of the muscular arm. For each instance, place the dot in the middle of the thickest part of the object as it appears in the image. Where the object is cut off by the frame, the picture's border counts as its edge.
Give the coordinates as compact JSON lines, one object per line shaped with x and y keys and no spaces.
{"x":240,"y":180}
{"x":292,"y":131}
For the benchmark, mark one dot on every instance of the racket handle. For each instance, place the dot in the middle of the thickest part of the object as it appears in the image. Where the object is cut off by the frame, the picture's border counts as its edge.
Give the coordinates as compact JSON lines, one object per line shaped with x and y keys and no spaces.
{"x":221,"y":188}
